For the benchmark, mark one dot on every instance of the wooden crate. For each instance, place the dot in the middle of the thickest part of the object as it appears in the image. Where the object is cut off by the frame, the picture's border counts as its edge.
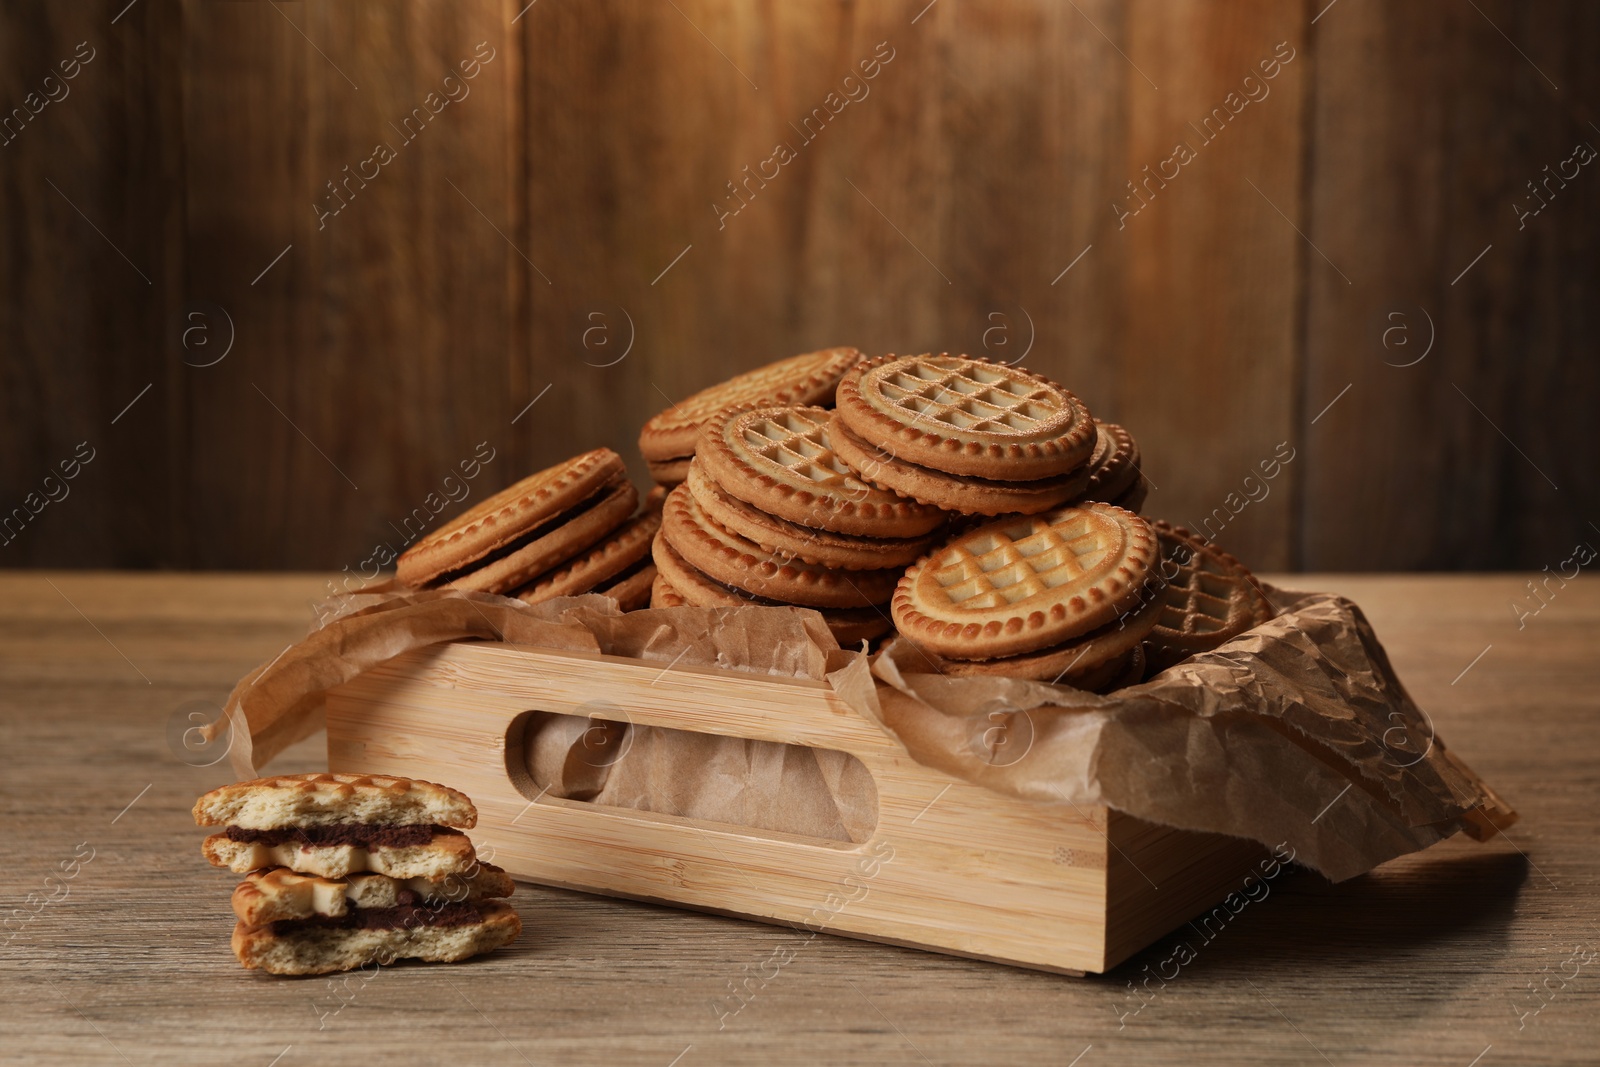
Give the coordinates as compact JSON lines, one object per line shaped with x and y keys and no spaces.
{"x":950,"y":866}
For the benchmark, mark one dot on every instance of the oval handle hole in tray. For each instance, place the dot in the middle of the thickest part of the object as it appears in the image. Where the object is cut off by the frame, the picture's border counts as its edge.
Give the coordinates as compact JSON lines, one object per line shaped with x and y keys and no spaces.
{"x":603,"y":759}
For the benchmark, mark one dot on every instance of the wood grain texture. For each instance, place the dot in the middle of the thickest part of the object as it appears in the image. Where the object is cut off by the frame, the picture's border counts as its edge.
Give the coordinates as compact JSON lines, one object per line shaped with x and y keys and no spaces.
{"x":1426,"y":961}
{"x":979,"y":877}
{"x":525,"y":248}
{"x":1472,"y":433}
{"x":91,"y":268}
{"x":1200,"y":355}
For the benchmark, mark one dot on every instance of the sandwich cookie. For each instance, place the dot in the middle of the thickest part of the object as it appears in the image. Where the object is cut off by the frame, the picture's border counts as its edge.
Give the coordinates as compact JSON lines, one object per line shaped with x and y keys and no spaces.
{"x":335,"y":825}
{"x":663,"y":595}
{"x":805,"y":379}
{"x":967,"y":416}
{"x":631,"y":588}
{"x":780,"y":460}
{"x":668,"y":473}
{"x":281,"y":895}
{"x":443,"y":934}
{"x":790,"y":539}
{"x":505,"y":541}
{"x":299,"y":924}
{"x":624,"y":550}
{"x":1114,"y":466}
{"x":963,"y":494}
{"x":1023,"y":584}
{"x":1091,"y":661}
{"x":1207,"y":596}
{"x":680,"y":585}
{"x":737,"y":561}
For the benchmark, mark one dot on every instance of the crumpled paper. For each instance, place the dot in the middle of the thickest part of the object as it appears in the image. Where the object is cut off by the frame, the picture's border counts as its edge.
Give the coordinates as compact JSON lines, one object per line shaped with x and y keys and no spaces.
{"x":1297,"y":731}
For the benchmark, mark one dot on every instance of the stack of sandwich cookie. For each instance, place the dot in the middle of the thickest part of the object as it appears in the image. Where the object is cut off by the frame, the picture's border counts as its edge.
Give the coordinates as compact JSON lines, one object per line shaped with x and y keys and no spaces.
{"x":619,"y":567}
{"x":708,"y":565}
{"x":1114,"y":469}
{"x":1206,"y":596}
{"x":563,"y":531}
{"x":667,"y":441}
{"x":963,"y":434}
{"x":346,"y":868}
{"x":1055,"y":597}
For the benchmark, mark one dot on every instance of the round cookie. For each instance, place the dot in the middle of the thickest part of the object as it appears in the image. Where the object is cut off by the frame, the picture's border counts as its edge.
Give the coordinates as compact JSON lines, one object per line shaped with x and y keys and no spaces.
{"x":1132,"y":672}
{"x":967,"y":416}
{"x":322,"y":798}
{"x":1090,"y":661}
{"x":952,"y":492}
{"x":805,"y":379}
{"x":508,"y":515}
{"x":668,"y":472}
{"x":551,"y":544}
{"x":1022,"y":584}
{"x":791,"y":540}
{"x":781,"y":460}
{"x":1209,"y":598}
{"x":1114,"y":467}
{"x":1134,"y":498}
{"x":679,"y":585}
{"x":620,"y":550}
{"x":737,"y":561}
{"x":631,"y":589}
{"x":663,"y":595}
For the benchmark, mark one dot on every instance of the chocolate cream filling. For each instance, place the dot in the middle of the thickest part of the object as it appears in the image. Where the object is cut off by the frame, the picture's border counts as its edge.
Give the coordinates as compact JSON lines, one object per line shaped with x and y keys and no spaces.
{"x":361,"y":835}
{"x":404,"y":917}
{"x":523,"y":540}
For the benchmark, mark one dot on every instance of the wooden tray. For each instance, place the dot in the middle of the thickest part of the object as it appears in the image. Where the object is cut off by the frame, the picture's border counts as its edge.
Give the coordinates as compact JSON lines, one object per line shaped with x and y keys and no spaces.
{"x":950,"y":866}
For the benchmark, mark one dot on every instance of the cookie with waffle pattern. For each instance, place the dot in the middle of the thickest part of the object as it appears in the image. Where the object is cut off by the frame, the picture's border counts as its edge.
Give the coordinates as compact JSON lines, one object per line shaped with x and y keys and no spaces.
{"x":1208,"y":598}
{"x":822,"y":547}
{"x":1022,"y":584}
{"x":680,"y":585}
{"x":781,"y":461}
{"x":1089,"y":661}
{"x":967,"y":416}
{"x":1114,"y":465}
{"x":962,"y":494}
{"x":331,"y":798}
{"x":810,"y":378}
{"x":739,"y":562}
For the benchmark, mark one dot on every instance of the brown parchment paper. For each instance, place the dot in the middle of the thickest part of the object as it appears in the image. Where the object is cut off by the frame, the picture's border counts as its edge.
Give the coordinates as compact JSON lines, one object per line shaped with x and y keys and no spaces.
{"x":1298,"y":731}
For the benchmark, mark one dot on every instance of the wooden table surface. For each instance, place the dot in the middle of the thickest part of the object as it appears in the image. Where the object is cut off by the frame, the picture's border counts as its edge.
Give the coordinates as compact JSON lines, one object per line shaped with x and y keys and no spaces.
{"x":1468,"y":954}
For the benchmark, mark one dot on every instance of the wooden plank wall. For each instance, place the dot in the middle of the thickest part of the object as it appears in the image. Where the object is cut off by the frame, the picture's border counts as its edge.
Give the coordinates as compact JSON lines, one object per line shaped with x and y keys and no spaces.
{"x":562,"y":232}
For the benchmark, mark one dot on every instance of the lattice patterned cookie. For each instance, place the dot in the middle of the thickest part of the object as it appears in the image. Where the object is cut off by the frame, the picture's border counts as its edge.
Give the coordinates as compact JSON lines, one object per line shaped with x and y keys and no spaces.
{"x":324,"y":799}
{"x":1090,"y":661}
{"x":952,"y":492}
{"x":788,"y":539}
{"x":806,"y":379}
{"x":1114,"y":467}
{"x":680,"y":585}
{"x":781,"y":460}
{"x":1023,"y":584}
{"x":1209,"y":598}
{"x":509,"y":515}
{"x":740,"y":562}
{"x":967,"y":416}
